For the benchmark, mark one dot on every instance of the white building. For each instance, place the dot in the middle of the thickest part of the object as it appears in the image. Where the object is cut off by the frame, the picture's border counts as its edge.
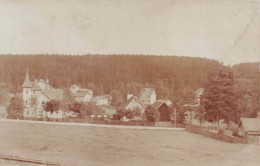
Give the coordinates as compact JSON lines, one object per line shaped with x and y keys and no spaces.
{"x":35,"y":94}
{"x":80,"y":94}
{"x":148,"y":96}
{"x":132,"y":103}
{"x":100,"y":100}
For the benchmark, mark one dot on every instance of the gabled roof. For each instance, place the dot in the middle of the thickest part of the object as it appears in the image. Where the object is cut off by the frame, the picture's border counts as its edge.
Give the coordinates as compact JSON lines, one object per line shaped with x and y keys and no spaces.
{"x":27,"y":83}
{"x":54,"y":94}
{"x":251,"y":124}
{"x":158,"y":104}
{"x":108,"y":109}
{"x":126,"y":103}
{"x":146,"y":92}
{"x":36,"y":87}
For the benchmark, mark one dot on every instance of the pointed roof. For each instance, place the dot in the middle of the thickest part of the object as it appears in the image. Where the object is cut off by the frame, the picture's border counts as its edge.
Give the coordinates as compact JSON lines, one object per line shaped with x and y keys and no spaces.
{"x":126,"y":103}
{"x":54,"y":94}
{"x":146,"y":93}
{"x":27,"y":83}
{"x":158,"y":104}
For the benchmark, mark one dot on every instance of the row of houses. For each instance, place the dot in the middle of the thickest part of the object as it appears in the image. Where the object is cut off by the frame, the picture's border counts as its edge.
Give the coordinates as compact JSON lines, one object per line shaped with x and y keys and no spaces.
{"x":42,"y":92}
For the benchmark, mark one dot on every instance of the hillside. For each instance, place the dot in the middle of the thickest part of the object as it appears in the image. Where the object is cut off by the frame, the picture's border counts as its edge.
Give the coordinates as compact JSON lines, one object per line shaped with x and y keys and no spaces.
{"x":127,"y":73}
{"x":247,"y":70}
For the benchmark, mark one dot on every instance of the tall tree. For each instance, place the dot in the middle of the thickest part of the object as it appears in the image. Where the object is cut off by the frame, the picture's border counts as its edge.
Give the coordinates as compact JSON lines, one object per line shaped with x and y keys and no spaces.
{"x":4,"y":97}
{"x":219,"y":96}
{"x":116,"y":97}
{"x":152,"y":114}
{"x":33,"y":104}
{"x":15,"y":107}
{"x":189,"y":98}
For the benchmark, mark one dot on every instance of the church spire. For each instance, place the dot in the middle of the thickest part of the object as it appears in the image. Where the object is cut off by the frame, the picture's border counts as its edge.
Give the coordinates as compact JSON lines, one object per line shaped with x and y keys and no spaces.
{"x":27,"y":83}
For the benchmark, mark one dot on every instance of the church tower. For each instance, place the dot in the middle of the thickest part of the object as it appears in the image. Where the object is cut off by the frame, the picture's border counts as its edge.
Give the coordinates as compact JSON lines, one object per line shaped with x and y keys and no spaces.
{"x":27,"y":90}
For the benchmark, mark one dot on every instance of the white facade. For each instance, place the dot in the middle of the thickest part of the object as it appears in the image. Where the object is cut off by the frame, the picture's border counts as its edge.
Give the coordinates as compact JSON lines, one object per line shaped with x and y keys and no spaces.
{"x":135,"y":104}
{"x":80,"y":94}
{"x":148,"y":96}
{"x":100,"y":100}
{"x":35,"y":94}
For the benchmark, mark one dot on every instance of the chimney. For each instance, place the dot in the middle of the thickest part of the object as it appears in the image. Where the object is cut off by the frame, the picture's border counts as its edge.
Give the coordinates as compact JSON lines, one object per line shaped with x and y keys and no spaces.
{"x":47,"y":81}
{"x":35,"y":80}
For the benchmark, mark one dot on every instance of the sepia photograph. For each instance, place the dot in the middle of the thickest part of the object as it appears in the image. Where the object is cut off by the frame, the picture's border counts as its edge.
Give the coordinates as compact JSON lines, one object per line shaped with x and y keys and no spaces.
{"x":130,"y":83}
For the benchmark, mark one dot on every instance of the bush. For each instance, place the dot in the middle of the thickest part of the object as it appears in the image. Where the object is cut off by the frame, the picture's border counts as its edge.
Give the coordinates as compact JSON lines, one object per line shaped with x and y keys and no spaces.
{"x":152,"y":114}
{"x":235,"y":132}
{"x":221,"y":131}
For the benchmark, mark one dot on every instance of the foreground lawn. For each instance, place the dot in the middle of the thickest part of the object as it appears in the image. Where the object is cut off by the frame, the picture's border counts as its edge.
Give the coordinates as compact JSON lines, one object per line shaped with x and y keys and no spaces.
{"x":77,"y":145}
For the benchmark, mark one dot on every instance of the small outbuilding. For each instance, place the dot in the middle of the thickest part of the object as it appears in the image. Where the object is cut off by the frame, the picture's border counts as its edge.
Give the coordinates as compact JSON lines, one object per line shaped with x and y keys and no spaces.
{"x":251,"y":130}
{"x":164,"y":111}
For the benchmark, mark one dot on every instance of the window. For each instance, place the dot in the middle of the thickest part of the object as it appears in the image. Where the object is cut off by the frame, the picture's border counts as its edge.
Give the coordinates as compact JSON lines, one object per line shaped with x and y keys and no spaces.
{"x":26,"y":101}
{"x":26,"y":91}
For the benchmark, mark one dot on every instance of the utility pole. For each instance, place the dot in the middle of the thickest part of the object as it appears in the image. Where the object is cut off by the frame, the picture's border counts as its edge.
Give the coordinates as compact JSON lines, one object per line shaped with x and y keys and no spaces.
{"x":175,"y":117}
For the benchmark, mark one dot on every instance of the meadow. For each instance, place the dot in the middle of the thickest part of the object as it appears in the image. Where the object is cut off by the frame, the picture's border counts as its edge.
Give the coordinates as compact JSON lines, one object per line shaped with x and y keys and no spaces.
{"x":81,"y":145}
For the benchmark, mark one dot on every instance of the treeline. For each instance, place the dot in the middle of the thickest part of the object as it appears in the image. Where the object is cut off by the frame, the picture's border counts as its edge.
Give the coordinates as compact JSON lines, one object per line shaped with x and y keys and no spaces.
{"x":104,"y":73}
{"x":247,"y":70}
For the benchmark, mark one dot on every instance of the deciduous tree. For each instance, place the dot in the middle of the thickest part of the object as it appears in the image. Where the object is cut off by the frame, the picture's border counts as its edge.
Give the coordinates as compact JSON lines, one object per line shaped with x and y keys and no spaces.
{"x":15,"y":107}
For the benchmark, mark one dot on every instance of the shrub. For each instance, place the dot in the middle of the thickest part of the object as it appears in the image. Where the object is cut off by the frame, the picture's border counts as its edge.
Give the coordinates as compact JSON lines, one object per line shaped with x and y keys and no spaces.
{"x":221,"y":131}
{"x":235,"y":132}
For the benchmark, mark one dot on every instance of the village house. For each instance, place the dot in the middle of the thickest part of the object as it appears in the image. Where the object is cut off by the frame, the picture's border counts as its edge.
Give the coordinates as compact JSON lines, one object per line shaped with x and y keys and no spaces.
{"x":100,"y":100}
{"x":190,"y":113}
{"x":132,"y":103}
{"x":108,"y":111}
{"x":80,"y":94}
{"x":167,"y":102}
{"x":250,"y":128}
{"x":198,"y":93}
{"x":148,"y":96}
{"x":164,"y":111}
{"x":35,"y":94}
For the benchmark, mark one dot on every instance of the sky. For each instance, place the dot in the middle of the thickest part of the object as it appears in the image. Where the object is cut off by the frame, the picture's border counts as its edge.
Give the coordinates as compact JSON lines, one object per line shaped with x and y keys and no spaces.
{"x":225,"y":30}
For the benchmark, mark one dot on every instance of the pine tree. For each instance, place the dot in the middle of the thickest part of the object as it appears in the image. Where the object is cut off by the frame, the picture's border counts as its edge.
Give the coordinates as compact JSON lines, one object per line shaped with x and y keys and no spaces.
{"x":219,"y":96}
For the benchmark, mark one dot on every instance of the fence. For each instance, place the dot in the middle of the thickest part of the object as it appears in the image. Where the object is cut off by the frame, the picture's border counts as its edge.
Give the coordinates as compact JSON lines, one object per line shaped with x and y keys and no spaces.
{"x":107,"y":122}
{"x":218,"y":136}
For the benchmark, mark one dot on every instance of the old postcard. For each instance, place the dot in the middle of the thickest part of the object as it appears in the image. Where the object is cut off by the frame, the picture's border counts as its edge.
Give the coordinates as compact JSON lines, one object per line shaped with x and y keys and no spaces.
{"x":130,"y":82}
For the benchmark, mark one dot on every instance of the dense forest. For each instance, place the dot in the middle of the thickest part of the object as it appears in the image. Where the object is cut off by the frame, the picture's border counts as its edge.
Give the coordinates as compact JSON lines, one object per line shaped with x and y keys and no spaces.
{"x":247,"y":70}
{"x":104,"y":73}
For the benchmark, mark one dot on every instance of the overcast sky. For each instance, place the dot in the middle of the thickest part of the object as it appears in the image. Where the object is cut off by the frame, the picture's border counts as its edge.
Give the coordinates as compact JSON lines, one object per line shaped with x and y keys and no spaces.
{"x":225,"y":30}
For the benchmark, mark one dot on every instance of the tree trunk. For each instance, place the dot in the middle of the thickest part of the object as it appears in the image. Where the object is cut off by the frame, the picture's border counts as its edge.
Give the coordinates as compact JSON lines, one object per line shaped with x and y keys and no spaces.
{"x":218,"y":122}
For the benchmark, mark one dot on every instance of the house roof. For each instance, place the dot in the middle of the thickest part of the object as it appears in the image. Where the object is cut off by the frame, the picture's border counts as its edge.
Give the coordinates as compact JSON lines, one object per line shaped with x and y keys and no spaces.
{"x":27,"y":83}
{"x":108,"y":109}
{"x":54,"y":94}
{"x":146,"y":92}
{"x":99,"y":98}
{"x":158,"y":104}
{"x":80,"y":93}
{"x":251,"y":124}
{"x":126,"y":103}
{"x":36,"y":87}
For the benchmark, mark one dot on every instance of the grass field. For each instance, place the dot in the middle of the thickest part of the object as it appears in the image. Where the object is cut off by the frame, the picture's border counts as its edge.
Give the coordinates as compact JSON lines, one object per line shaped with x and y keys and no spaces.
{"x":77,"y":145}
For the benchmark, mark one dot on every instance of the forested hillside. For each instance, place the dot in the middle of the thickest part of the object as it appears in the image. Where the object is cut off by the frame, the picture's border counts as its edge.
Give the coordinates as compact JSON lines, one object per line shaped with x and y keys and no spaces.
{"x":247,"y":70}
{"x":103,"y":73}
